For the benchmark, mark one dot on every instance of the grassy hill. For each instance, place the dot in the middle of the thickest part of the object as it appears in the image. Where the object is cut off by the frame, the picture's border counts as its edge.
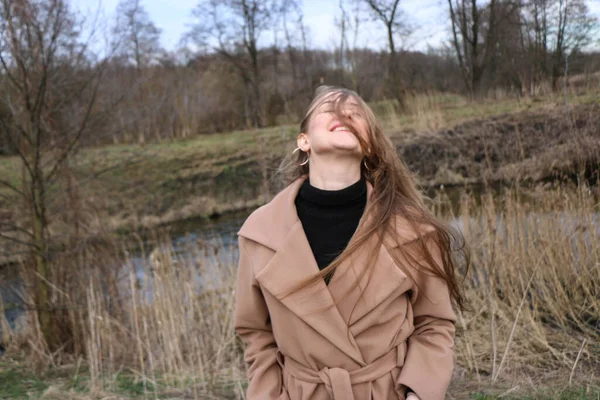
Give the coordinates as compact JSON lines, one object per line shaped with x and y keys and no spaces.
{"x":445,"y":140}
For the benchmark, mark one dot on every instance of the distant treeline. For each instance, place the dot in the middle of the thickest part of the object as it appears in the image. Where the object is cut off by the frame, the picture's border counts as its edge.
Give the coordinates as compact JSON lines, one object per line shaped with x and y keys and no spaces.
{"x":137,"y":92}
{"x":208,"y":95}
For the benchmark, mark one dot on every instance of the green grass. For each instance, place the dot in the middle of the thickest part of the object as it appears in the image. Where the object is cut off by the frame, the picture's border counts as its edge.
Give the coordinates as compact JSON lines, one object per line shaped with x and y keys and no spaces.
{"x":577,"y":393}
{"x":18,"y":383}
{"x":200,"y":176}
{"x":128,"y":384}
{"x":586,"y":388}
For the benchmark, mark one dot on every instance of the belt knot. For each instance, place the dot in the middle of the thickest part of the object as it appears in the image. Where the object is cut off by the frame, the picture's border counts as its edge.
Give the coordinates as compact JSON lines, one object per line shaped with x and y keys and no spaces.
{"x":337,"y":382}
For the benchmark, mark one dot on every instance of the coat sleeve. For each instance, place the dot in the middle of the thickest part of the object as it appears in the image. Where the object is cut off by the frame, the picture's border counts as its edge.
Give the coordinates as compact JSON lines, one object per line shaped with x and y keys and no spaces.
{"x":252,"y":324}
{"x":429,"y":360}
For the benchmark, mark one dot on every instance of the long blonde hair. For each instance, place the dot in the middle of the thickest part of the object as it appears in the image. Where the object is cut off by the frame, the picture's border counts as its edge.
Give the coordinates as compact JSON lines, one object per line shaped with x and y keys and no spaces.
{"x":394,"y":194}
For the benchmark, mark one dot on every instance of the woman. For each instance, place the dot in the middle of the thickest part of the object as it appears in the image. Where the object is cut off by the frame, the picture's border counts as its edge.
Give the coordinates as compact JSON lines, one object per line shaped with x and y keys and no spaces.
{"x":346,"y":280}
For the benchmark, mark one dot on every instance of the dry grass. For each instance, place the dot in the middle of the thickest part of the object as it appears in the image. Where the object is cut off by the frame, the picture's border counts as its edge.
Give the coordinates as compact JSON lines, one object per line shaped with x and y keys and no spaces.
{"x":159,"y":183}
{"x":432,"y":111}
{"x":534,"y":290}
{"x":534,"y":287}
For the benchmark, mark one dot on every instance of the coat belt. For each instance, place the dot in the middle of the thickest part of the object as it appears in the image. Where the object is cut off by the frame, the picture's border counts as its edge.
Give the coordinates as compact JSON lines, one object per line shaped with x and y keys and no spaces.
{"x":339,"y":381}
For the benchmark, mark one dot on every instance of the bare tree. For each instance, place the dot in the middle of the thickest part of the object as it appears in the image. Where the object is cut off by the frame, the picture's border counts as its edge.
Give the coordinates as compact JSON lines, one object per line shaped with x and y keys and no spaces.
{"x":550,"y":31}
{"x":388,"y":12}
{"x":137,"y":40}
{"x":355,"y":25}
{"x":473,"y":37}
{"x":288,"y":8}
{"x":232,"y":29}
{"x":49,"y":92}
{"x":138,"y":37}
{"x":342,"y":23}
{"x":297,"y":48}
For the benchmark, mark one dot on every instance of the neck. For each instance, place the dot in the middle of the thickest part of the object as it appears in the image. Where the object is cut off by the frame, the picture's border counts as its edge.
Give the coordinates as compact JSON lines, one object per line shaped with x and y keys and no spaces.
{"x":333,"y":174}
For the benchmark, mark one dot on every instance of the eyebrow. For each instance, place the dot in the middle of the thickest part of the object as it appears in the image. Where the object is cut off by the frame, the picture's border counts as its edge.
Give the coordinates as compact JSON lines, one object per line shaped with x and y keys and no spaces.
{"x":323,"y":109}
{"x":345,"y":104}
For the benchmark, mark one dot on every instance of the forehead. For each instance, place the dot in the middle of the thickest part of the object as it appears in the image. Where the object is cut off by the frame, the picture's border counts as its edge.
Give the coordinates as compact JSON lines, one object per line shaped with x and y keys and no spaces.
{"x":333,"y":98}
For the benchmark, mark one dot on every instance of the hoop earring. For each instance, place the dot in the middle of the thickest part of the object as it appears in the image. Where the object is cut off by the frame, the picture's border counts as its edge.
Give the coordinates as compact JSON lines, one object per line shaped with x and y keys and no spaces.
{"x":307,"y":156}
{"x":365,"y":164}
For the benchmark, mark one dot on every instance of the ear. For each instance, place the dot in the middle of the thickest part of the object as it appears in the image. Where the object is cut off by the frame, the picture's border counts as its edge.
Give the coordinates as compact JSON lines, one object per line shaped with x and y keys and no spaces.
{"x":303,"y":142}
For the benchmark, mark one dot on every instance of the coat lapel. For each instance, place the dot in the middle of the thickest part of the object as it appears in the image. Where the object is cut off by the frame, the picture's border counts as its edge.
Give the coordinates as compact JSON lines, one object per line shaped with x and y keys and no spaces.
{"x":277,"y":226}
{"x":294,"y":262}
{"x":385,"y":280}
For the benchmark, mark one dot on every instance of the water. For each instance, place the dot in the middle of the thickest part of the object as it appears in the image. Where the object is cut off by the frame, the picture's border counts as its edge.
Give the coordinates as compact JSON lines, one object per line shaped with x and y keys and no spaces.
{"x":10,"y":293}
{"x":194,"y":241}
{"x":188,"y":236}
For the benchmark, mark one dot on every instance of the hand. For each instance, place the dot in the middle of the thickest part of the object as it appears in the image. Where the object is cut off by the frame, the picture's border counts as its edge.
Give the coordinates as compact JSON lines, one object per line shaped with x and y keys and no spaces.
{"x":412,"y":396}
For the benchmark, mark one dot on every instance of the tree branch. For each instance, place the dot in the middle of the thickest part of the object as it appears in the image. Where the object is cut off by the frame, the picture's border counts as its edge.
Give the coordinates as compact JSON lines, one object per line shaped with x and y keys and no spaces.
{"x":19,"y":241}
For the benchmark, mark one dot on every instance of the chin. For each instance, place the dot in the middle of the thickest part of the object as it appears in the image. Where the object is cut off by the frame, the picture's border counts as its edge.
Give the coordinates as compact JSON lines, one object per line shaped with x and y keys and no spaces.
{"x":351,"y":148}
{"x":339,"y":147}
{"x":347,"y":146}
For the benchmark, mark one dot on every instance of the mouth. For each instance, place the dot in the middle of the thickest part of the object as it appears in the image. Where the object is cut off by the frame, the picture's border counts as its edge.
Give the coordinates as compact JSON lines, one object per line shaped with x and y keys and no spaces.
{"x":339,"y":127}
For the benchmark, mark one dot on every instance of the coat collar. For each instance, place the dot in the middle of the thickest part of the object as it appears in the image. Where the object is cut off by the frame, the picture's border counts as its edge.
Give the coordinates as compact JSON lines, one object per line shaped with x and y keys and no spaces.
{"x":277,"y":226}
{"x":270,"y":224}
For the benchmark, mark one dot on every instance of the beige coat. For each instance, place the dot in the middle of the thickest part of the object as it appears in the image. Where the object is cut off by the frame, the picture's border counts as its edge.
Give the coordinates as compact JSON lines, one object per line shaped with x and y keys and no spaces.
{"x":399,"y":334}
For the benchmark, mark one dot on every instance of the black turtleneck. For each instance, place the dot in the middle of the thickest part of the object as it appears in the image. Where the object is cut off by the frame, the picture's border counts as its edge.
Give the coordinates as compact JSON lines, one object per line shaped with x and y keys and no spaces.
{"x":330,"y":217}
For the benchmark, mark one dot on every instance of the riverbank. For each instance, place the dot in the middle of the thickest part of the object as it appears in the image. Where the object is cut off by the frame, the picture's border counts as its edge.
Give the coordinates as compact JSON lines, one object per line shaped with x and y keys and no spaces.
{"x":448,"y":141}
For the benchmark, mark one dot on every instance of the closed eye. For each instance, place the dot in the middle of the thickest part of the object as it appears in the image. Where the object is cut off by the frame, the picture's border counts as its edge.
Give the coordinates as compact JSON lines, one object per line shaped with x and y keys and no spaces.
{"x":329,"y":111}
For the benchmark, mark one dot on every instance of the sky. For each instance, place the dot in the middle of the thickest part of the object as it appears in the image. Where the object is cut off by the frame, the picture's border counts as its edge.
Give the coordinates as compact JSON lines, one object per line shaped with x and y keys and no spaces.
{"x":429,"y":16}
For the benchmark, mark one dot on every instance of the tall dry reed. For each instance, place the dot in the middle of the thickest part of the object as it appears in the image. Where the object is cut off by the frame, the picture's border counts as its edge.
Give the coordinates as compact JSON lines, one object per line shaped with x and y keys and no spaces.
{"x":534,"y":287}
{"x":534,"y":293}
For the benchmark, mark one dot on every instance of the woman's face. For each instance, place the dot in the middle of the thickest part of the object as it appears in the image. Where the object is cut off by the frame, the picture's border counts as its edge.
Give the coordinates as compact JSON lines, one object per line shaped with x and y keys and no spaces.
{"x":326,"y":133}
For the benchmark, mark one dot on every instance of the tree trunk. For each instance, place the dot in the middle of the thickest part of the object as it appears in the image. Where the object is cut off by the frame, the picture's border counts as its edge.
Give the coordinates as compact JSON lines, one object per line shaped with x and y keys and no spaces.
{"x":42,"y":267}
{"x":394,"y":78}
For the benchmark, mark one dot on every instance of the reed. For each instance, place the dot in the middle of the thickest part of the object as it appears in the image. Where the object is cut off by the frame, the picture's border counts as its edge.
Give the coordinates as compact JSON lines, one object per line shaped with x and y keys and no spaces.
{"x":533,"y":290}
